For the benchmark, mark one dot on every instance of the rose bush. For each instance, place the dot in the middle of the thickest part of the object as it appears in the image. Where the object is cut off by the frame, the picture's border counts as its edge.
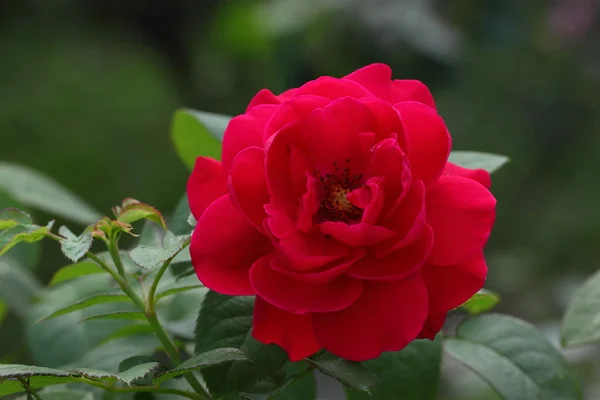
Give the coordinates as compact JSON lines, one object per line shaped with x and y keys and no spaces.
{"x":335,"y":204}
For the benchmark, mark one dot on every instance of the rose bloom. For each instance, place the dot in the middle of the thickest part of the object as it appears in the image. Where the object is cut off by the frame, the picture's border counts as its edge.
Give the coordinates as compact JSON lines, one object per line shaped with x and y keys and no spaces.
{"x":335,"y":205}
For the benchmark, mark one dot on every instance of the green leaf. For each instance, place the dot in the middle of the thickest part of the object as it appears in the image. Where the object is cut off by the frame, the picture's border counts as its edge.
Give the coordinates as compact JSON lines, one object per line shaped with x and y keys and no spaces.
{"x":581,"y":323}
{"x":38,"y":377}
{"x":410,"y":374}
{"x":133,"y":211}
{"x":352,"y":374}
{"x":133,"y":374}
{"x":133,"y":315}
{"x":129,"y":330}
{"x":199,"y":361}
{"x":10,"y":217}
{"x":481,"y":302}
{"x":299,"y":385}
{"x":179,"y":286}
{"x":3,"y":310}
{"x":226,"y":321}
{"x":74,"y":271}
{"x":178,"y":222}
{"x":63,"y":394}
{"x":34,"y":189}
{"x":74,"y":247}
{"x":151,"y":258}
{"x":477,"y":160}
{"x":514,"y":358}
{"x":22,"y":233}
{"x":197,"y":133}
{"x":90,"y":301}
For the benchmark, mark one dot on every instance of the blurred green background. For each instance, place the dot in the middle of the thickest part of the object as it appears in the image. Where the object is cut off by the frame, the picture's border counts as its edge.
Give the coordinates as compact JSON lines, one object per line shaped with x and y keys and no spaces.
{"x":88,"y":89}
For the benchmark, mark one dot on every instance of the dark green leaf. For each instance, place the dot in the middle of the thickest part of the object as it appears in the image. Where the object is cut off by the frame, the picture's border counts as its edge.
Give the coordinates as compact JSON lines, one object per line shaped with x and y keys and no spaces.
{"x":410,"y":374}
{"x":226,"y":321}
{"x":352,"y":374}
{"x":129,"y":376}
{"x":482,"y":301}
{"x":477,"y":160}
{"x":180,"y":286}
{"x":63,"y":394}
{"x":134,"y":315}
{"x":129,"y":330}
{"x":197,"y":133}
{"x":21,"y":233}
{"x":134,"y":211}
{"x":178,"y":222}
{"x":33,"y":189}
{"x":37,"y":376}
{"x":210,"y":358}
{"x":10,"y":217}
{"x":300,"y":384}
{"x":74,"y":271}
{"x":151,"y":258}
{"x":90,"y":301}
{"x":74,"y":247}
{"x":513,"y":358}
{"x":581,"y":323}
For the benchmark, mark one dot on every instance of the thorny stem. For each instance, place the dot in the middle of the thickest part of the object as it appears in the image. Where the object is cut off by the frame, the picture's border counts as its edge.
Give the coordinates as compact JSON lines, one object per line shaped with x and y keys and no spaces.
{"x":149,"y":312}
{"x":30,"y":391}
{"x":113,"y":249}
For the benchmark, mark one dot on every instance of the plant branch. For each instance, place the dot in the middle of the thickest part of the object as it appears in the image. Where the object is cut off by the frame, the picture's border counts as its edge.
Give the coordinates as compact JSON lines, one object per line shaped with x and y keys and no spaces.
{"x":113,"y":249}
{"x":137,"y":389}
{"x":30,"y":391}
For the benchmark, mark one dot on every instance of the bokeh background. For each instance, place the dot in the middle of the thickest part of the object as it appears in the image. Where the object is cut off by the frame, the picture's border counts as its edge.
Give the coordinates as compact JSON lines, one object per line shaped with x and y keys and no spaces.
{"x":88,"y":89}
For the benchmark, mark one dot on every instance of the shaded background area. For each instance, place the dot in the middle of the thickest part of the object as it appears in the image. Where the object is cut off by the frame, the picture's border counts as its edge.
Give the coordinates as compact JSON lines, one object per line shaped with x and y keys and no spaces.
{"x":87,"y":91}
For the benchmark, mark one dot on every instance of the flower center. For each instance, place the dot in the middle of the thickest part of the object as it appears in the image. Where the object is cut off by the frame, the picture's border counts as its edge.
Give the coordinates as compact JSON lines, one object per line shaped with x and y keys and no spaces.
{"x":335,"y":205}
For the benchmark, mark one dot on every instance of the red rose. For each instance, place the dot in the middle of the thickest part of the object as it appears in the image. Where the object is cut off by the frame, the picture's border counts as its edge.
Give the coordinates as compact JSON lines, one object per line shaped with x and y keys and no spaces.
{"x":335,"y":205}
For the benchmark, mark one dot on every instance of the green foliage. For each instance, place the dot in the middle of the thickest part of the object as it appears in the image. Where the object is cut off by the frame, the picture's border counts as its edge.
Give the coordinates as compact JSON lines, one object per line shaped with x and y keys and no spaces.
{"x":10,"y":217}
{"x":150,"y":258}
{"x":63,"y":394}
{"x":179,"y":286}
{"x":514,"y":358}
{"x":199,"y":361}
{"x":74,"y":271}
{"x":482,"y":301}
{"x":22,"y":233}
{"x":410,"y":374}
{"x":131,"y":315}
{"x":581,"y":322}
{"x":74,"y":247}
{"x":96,"y":299}
{"x":352,"y":374}
{"x":477,"y":160}
{"x":226,"y":321}
{"x":197,"y":133}
{"x":132,"y":210}
{"x":18,"y":286}
{"x":33,"y":189}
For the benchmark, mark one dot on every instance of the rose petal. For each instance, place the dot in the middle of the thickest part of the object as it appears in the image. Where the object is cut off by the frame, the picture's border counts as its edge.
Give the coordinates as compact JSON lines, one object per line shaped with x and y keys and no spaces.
{"x":386,"y":317}
{"x":376,"y":78}
{"x":332,"y":88}
{"x":293,"y":332}
{"x":434,"y":324}
{"x":205,"y":185}
{"x":390,"y":163}
{"x":359,"y":234}
{"x":293,"y":110}
{"x":461,"y":213}
{"x":479,"y":175}
{"x":428,"y":140}
{"x":245,"y":131}
{"x":396,"y":265}
{"x":223,"y":248}
{"x":248,"y":186}
{"x":323,"y":274}
{"x":370,"y":198}
{"x":407,"y":221}
{"x":389,"y":123}
{"x":411,"y":90}
{"x":309,"y":205}
{"x":301,"y":297}
{"x":450,"y":286}
{"x":310,"y":251}
{"x":265,"y":96}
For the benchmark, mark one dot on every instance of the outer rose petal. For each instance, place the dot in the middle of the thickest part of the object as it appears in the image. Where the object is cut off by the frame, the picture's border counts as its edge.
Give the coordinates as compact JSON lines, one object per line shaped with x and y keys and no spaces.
{"x":292,"y":110}
{"x":461,"y":213}
{"x":248,"y":186}
{"x":305,"y":252}
{"x":244,"y":131}
{"x":411,"y":90}
{"x":479,"y":175}
{"x":433,"y":325}
{"x":293,"y":332}
{"x":387,"y":317}
{"x":206,"y":184}
{"x":360,"y":234}
{"x":265,"y":96}
{"x":450,"y":286}
{"x":301,"y":297}
{"x":376,"y":78}
{"x":332,"y":88}
{"x":428,"y":140}
{"x":224,"y":246}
